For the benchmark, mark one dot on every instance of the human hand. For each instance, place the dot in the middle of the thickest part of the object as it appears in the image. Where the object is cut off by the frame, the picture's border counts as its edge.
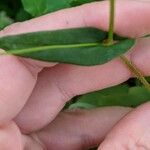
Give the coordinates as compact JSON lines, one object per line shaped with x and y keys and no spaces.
{"x":32,"y":95}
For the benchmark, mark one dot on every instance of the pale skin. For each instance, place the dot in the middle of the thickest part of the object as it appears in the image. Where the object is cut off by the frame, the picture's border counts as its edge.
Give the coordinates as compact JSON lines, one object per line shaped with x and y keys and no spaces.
{"x":31,"y":95}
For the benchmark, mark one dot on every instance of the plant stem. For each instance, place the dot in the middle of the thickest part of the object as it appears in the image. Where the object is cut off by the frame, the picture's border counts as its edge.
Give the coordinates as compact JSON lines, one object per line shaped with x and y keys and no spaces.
{"x":125,"y":60}
{"x":136,"y":72}
{"x":111,"y":22}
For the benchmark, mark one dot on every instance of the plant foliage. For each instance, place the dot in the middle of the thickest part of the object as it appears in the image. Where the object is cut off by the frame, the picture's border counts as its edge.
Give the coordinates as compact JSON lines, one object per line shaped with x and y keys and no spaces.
{"x":77,"y":46}
{"x":81,"y":46}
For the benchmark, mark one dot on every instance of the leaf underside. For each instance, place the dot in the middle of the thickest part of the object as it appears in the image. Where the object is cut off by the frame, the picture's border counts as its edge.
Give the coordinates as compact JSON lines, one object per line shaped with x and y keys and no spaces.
{"x":120,"y":95}
{"x":81,"y":46}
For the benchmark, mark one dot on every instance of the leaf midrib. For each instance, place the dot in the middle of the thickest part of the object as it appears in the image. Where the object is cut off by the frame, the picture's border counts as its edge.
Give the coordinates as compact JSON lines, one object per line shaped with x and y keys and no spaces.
{"x":44,"y":48}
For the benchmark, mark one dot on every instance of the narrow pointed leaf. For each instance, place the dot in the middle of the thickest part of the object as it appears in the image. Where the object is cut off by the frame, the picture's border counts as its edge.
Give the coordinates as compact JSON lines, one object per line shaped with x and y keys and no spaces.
{"x":82,"y":46}
{"x":115,"y":96}
{"x":80,"y":2}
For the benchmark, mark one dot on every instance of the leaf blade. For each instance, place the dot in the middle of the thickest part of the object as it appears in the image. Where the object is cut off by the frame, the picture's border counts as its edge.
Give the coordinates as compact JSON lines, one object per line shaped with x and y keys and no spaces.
{"x":115,"y":96}
{"x":41,"y":7}
{"x":81,"y":46}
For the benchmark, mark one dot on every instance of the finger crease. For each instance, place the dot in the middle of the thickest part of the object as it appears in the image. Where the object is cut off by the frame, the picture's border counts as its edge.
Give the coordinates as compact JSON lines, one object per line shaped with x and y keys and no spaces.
{"x":64,"y":93}
{"x":35,"y":137}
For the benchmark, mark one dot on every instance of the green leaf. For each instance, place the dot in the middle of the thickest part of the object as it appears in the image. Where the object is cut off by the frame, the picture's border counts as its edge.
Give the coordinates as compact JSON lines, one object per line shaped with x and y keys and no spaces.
{"x":35,"y":7}
{"x":92,"y":100}
{"x":40,"y":7}
{"x":81,"y":46}
{"x":22,"y":15}
{"x":4,"y":20}
{"x":80,"y":2}
{"x":114,"y":96}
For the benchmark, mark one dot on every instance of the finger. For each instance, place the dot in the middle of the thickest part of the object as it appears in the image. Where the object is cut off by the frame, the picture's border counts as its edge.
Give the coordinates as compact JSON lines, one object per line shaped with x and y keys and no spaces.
{"x":132,"y":132}
{"x":140,"y":56}
{"x":17,"y":80}
{"x":10,"y":137}
{"x":28,"y":82}
{"x":16,"y":83}
{"x":129,"y":20}
{"x":32,"y":143}
{"x":80,"y":129}
{"x":59,"y":84}
{"x":65,"y":80}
